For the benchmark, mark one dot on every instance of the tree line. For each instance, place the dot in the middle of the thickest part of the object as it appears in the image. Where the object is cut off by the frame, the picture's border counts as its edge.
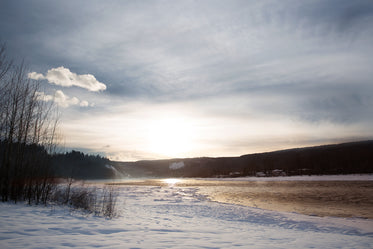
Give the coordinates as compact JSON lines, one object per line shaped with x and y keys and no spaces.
{"x":78,"y":165}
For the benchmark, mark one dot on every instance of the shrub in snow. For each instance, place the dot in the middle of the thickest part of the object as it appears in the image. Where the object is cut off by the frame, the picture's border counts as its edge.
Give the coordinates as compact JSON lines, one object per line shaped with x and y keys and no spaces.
{"x":99,"y":201}
{"x":109,"y":203}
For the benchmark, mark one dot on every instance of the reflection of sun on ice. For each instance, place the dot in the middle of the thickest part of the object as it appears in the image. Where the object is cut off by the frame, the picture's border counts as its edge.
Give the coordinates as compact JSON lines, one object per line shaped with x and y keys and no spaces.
{"x":171,"y":181}
{"x":170,"y":137}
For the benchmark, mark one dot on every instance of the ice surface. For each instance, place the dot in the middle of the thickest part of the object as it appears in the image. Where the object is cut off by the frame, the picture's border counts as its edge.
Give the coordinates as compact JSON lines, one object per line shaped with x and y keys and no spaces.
{"x":350,"y":177}
{"x":176,"y":217}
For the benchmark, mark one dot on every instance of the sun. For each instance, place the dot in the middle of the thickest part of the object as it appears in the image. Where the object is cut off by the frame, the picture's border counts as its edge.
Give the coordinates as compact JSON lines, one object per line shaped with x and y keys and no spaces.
{"x":171,"y":137}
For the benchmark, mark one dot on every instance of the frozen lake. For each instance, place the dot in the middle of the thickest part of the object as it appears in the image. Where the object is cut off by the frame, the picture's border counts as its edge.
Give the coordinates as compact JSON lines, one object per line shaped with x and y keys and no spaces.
{"x":341,"y":196}
{"x":168,"y":215}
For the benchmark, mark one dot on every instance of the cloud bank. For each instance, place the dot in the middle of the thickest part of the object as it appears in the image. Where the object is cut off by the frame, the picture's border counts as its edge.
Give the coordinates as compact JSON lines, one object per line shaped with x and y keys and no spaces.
{"x":247,"y":72}
{"x":64,"y":77}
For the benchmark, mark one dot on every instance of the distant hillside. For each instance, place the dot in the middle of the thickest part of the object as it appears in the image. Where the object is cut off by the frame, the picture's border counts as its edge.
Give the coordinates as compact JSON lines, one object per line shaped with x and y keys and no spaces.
{"x":346,"y":158}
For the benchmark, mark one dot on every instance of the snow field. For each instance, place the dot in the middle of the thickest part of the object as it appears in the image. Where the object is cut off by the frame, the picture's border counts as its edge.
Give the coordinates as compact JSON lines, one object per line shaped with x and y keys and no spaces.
{"x":176,"y":217}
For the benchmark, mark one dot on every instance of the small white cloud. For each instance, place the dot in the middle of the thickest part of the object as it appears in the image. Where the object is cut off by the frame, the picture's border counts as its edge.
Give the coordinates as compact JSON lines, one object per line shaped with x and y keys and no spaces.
{"x":36,"y":76}
{"x":43,"y":97}
{"x":61,"y":99}
{"x":64,"y":77}
{"x":84,"y":103}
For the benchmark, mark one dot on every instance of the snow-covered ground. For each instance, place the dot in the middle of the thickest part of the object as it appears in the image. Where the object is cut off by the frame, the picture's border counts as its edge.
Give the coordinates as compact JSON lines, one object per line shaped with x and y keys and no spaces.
{"x":176,"y":217}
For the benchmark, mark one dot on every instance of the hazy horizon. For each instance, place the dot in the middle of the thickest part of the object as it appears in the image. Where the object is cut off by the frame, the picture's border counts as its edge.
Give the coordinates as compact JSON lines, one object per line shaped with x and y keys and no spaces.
{"x":165,"y":79}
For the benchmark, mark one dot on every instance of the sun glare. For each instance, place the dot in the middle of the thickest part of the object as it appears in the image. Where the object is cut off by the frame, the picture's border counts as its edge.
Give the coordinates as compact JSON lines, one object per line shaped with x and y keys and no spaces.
{"x":170,"y":137}
{"x":171,"y":181}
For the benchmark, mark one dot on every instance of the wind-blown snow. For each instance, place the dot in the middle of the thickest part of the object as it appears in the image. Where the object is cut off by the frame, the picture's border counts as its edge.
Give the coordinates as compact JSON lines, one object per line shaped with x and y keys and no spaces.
{"x":117,"y":174}
{"x":177,"y":165}
{"x":176,"y":217}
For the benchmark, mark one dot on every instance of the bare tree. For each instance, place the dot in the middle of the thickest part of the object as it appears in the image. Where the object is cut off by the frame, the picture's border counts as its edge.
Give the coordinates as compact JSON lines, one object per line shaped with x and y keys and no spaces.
{"x":27,"y":135}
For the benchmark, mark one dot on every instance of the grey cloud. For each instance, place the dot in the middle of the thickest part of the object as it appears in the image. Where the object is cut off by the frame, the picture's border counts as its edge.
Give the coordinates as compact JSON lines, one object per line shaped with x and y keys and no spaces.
{"x":303,"y":60}
{"x":345,"y":103}
{"x":342,"y":15}
{"x":341,"y":104}
{"x":165,"y":48}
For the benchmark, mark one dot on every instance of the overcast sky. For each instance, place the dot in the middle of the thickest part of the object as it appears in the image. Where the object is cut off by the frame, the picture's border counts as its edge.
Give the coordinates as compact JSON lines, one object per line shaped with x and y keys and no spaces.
{"x":158,"y":79}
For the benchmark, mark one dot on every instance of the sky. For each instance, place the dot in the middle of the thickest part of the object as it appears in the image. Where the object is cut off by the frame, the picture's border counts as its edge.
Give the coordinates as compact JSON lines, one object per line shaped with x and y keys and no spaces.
{"x":149,"y":79}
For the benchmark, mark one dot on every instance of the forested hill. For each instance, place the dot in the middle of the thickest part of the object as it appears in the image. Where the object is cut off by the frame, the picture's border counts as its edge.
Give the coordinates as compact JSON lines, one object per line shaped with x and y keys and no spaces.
{"x":78,"y":165}
{"x":346,"y":158}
